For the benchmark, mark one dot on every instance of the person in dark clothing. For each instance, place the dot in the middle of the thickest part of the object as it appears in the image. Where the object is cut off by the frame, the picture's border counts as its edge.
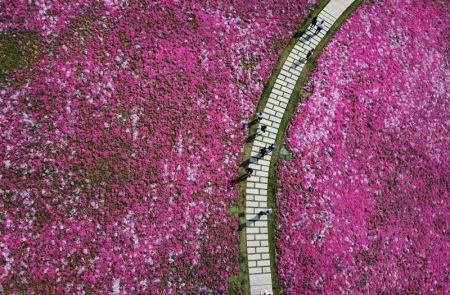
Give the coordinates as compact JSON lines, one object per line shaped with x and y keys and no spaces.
{"x":263,"y":128}
{"x":308,"y":55}
{"x":263,"y":152}
{"x":271,"y":147}
{"x":314,"y":21}
{"x":264,"y":212}
{"x":249,"y":172}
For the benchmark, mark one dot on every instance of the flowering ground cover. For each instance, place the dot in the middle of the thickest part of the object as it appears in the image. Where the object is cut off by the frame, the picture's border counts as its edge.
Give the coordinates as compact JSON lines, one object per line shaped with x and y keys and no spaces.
{"x":364,"y":206}
{"x":120,"y":135}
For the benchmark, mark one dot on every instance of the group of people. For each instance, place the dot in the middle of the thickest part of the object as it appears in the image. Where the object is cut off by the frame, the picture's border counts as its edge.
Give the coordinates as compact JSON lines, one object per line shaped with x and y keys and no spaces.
{"x":319,"y":26}
{"x":263,"y":151}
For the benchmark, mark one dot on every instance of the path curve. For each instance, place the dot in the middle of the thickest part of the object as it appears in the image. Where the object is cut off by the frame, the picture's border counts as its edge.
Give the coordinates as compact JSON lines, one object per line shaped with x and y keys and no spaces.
{"x":257,"y":185}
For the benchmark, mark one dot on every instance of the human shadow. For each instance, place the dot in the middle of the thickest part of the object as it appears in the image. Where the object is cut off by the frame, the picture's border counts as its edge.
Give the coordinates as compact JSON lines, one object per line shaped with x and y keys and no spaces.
{"x":236,"y":180}
{"x":249,"y":222}
{"x":298,"y":34}
{"x":251,"y":138}
{"x":251,"y":123}
{"x":305,"y":37}
{"x":252,"y":159}
{"x":298,"y":63}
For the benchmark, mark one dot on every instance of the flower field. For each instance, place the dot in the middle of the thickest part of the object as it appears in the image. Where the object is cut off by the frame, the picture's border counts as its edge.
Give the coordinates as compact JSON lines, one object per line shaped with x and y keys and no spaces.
{"x":364,"y":207}
{"x":118,"y":138}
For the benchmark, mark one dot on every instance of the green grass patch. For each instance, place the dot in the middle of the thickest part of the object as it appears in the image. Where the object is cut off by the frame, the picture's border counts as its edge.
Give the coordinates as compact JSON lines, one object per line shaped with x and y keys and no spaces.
{"x":233,"y":210}
{"x":16,"y":50}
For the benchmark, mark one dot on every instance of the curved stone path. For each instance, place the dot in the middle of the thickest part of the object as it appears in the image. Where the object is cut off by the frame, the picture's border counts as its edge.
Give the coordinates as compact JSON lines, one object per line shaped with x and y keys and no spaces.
{"x":257,"y":185}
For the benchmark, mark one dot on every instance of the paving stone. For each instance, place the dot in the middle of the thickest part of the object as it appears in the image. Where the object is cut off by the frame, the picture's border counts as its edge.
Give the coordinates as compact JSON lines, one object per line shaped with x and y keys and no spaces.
{"x":250,"y":185}
{"x":250,"y":197}
{"x":252,"y":191}
{"x":253,"y":243}
{"x":254,"y":166}
{"x":285,"y":73}
{"x":264,"y":230}
{"x":258,"y":144}
{"x":253,"y":230}
{"x":262,"y":191}
{"x":263,"y":204}
{"x":264,"y":162}
{"x":270,"y":112}
{"x":252,"y":270}
{"x":273,"y":96}
{"x":279,"y":109}
{"x":275,"y":124}
{"x":254,"y":257}
{"x":262,"y":185}
{"x":257,"y":290}
{"x":263,"y":263}
{"x":261,"y":237}
{"x":291,"y":86}
{"x":287,"y":95}
{"x":260,"y":280}
{"x":262,"y":249}
{"x":290,"y":80}
{"x":252,"y":204}
{"x":254,"y":178}
{"x":268,"y":140}
{"x":276,"y":119}
{"x":261,"y":198}
{"x":269,"y":105}
{"x":265,"y":255}
{"x":294,"y":72}
{"x":276,"y":91}
{"x":260,"y":173}
{"x":251,"y":250}
{"x":295,"y":51}
{"x":250,"y":210}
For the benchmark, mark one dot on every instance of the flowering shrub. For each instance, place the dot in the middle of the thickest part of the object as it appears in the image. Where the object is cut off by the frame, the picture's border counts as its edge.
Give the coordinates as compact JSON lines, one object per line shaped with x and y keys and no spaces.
{"x":118,"y":143}
{"x":364,"y":206}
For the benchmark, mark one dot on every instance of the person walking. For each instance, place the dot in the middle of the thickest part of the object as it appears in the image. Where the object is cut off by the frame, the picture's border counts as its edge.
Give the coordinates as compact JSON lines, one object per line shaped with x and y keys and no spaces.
{"x":249,"y":172}
{"x":308,"y":55}
{"x":263,"y":152}
{"x":319,"y":27}
{"x":263,"y":128}
{"x":271,"y":147}
{"x":259,"y":116}
{"x":264,"y":212}
{"x":314,"y":22}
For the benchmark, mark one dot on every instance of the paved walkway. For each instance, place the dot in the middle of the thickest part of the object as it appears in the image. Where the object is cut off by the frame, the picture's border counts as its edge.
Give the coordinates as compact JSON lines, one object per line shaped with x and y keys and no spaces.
{"x":256,"y":192}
